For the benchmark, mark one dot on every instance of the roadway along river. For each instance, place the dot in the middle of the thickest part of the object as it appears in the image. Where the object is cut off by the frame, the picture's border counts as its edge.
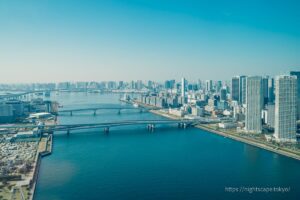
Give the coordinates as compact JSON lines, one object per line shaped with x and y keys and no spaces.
{"x":131,"y":163}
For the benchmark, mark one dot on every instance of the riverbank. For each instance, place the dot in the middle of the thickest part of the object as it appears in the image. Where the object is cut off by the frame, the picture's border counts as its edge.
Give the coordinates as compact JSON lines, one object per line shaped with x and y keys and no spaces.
{"x":45,"y":149}
{"x":250,"y":141}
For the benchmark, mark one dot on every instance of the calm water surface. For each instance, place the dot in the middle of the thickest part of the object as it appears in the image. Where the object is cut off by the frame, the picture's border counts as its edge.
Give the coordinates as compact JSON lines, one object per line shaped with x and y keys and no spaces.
{"x":131,"y":163}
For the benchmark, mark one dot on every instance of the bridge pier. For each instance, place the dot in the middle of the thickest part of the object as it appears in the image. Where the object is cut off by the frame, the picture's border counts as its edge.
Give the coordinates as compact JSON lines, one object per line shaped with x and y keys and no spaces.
{"x":151,"y":127}
{"x":119,"y":111}
{"x":179,"y":125}
{"x":68,"y":132}
{"x":106,"y":130}
{"x":95,"y":112}
{"x":141,"y":110}
{"x":71,"y":113}
{"x":182,"y":125}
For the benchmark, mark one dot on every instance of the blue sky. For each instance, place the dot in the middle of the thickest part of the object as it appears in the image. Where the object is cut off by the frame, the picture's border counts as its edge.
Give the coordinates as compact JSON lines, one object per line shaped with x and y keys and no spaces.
{"x":56,"y":40}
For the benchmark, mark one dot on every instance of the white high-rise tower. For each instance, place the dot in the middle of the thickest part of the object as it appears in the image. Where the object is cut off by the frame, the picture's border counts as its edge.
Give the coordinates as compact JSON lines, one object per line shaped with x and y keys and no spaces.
{"x":285,"y":108}
{"x":254,"y":103}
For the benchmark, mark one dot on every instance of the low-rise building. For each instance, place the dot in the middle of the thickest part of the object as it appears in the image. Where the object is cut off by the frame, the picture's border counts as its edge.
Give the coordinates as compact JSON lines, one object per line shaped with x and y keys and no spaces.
{"x":176,"y":112}
{"x":227,"y":125}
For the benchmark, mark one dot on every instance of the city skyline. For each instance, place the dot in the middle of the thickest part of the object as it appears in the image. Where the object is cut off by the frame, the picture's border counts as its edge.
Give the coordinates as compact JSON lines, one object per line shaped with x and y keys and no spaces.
{"x":88,"y":41}
{"x":159,"y":81}
{"x":149,"y":99}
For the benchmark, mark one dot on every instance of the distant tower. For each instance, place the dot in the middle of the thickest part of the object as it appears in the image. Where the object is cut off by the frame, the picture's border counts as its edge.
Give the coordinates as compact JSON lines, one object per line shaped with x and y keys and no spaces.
{"x":242,"y":89}
{"x":235,"y":84}
{"x":223,"y":94}
{"x":183,"y":87}
{"x":297,"y":74}
{"x":271,"y":94}
{"x":265,"y":85}
{"x":285,"y":108}
{"x":254,"y":95}
{"x":218,"y":86}
{"x":208,"y":86}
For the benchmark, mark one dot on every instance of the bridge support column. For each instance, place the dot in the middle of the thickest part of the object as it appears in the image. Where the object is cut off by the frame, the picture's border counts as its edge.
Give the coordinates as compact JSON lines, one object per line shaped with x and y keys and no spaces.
{"x":106,"y":130}
{"x":95,"y":112}
{"x":119,"y":111}
{"x":180,"y":125}
{"x":151,"y":127}
{"x":141,"y":110}
{"x":183,"y":125}
{"x":68,"y":132}
{"x":71,"y":113}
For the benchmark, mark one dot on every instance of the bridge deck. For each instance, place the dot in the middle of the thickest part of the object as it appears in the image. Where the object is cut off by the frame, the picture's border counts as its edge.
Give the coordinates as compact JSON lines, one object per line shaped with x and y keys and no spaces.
{"x":103,"y":124}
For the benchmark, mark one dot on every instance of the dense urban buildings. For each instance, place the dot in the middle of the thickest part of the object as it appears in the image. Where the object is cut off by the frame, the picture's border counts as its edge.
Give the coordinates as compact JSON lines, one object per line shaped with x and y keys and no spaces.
{"x":253,"y":109}
{"x":248,"y":102}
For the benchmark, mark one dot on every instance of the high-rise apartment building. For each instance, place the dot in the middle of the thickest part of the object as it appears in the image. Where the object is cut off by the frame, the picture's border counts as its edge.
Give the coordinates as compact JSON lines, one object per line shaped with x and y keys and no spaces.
{"x":271,"y":88}
{"x":265,"y":89}
{"x":242,"y":89}
{"x":254,"y":95}
{"x":297,"y":74}
{"x":285,"y":108}
{"x":235,"y":85}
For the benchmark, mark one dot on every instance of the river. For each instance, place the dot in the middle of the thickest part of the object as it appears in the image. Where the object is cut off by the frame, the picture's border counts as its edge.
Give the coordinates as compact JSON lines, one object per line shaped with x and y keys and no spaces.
{"x":171,"y":163}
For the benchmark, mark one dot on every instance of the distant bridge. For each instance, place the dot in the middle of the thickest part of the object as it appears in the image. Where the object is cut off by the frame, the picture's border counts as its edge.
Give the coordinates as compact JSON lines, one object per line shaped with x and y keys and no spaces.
{"x":95,"y":109}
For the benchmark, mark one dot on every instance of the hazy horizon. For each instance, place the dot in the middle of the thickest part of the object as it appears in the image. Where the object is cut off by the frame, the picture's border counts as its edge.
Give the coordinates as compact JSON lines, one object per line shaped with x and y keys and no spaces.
{"x":56,"y":41}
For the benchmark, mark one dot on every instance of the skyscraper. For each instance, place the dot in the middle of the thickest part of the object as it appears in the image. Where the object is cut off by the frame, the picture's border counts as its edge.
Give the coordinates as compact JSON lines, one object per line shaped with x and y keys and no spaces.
{"x":242,"y":89}
{"x":254,"y":95}
{"x":167,"y":84}
{"x":139,"y":84}
{"x":199,"y":84}
{"x":265,"y":88}
{"x":238,"y":89}
{"x":297,"y":74}
{"x":150,"y":84}
{"x":172,"y":84}
{"x":235,"y":84}
{"x":285,"y":108}
{"x":218,"y":86}
{"x":209,"y":85}
{"x":270,"y":114}
{"x":223,"y":94}
{"x":271,"y":95}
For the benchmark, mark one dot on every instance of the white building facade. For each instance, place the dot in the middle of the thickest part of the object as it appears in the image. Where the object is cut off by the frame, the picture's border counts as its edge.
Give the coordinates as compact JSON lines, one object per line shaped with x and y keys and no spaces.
{"x":285,"y":108}
{"x":254,"y":104}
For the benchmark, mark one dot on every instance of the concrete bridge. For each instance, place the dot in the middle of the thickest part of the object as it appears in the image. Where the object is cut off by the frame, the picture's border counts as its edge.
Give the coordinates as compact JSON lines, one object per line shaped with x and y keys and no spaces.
{"x":150,"y":125}
{"x":95,"y":109}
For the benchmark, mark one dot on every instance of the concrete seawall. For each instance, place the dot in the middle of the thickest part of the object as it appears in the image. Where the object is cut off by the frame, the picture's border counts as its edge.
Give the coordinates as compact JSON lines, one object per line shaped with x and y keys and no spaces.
{"x":35,"y":175}
{"x":252,"y":143}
